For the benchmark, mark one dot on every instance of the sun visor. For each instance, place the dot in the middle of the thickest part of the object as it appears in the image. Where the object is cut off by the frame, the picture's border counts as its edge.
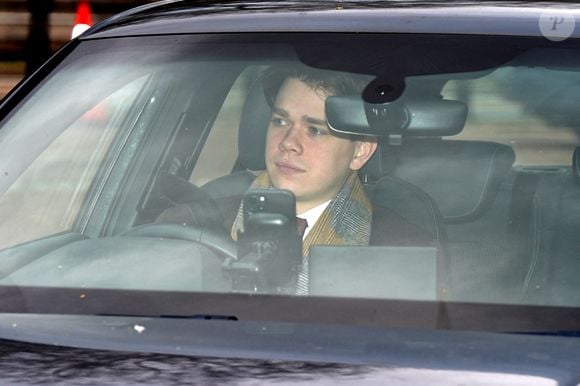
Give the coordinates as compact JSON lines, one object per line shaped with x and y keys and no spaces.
{"x":416,"y":118}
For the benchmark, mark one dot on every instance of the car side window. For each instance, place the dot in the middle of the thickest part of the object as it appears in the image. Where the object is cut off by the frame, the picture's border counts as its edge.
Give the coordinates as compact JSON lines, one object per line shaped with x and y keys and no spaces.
{"x":55,"y":184}
{"x":527,"y":109}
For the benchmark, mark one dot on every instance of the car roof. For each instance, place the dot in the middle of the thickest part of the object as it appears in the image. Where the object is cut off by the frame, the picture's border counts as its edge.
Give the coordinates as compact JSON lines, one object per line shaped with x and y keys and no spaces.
{"x":520,"y":18}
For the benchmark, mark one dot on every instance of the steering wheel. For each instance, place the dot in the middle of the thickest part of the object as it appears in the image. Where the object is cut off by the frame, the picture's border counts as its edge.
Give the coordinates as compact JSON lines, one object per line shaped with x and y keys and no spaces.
{"x":218,"y":241}
{"x":194,"y":216}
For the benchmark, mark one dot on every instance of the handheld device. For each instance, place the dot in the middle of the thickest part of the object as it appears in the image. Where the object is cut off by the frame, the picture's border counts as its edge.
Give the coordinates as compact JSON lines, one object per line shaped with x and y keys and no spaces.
{"x":269,"y":247}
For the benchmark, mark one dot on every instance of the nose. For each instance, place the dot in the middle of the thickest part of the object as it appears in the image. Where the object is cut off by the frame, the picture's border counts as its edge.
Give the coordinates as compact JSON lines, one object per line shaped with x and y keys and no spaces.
{"x":291,"y":141}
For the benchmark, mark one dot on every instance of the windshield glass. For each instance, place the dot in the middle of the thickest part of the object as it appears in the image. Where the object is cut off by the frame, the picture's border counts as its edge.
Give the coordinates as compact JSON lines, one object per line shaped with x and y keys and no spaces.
{"x":279,"y":165}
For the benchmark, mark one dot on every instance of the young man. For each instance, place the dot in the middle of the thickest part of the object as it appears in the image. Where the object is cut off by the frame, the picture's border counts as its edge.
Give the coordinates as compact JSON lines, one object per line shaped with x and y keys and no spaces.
{"x":319,"y":166}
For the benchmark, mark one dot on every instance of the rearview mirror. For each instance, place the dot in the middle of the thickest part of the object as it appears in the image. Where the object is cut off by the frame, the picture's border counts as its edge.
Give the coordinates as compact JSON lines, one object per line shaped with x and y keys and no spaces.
{"x":426,"y":117}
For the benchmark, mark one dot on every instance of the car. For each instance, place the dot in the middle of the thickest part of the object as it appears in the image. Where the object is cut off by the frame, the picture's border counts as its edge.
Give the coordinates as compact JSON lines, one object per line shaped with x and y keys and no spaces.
{"x":118,"y":156}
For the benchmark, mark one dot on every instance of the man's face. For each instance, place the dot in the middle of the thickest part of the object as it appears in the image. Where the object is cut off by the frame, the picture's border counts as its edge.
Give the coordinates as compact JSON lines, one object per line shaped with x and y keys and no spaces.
{"x":302,"y":154}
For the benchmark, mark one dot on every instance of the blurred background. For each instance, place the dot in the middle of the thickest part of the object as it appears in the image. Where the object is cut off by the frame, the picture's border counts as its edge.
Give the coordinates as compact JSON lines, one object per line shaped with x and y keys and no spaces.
{"x":32,"y":30}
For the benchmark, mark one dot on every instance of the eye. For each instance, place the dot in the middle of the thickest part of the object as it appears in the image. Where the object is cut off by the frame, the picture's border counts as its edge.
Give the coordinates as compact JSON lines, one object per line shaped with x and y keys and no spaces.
{"x":278,"y":122}
{"x":316,"y":131}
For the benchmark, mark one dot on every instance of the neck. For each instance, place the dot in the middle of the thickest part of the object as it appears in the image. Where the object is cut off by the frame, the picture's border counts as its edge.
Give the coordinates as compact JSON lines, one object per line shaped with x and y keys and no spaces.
{"x":302,"y":207}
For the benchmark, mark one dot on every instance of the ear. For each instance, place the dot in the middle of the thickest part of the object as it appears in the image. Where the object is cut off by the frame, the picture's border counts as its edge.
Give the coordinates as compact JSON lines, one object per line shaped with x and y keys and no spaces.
{"x":362,"y":152}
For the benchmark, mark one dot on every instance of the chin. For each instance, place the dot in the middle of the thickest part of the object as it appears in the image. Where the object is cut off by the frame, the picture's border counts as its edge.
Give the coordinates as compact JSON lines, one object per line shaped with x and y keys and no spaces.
{"x":287,"y":186}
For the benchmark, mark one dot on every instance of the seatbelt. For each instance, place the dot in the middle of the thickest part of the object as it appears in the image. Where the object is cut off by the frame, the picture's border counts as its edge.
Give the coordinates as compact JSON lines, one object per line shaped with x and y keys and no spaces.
{"x":520,"y":220}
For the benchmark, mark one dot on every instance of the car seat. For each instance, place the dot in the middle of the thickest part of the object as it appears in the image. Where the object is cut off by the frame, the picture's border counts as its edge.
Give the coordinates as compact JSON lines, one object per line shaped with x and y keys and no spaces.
{"x":488,"y":212}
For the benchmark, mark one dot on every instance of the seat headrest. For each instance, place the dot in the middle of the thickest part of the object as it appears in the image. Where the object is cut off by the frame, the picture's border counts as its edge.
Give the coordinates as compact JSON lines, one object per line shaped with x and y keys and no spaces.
{"x":463,"y":177}
{"x":252,"y":131}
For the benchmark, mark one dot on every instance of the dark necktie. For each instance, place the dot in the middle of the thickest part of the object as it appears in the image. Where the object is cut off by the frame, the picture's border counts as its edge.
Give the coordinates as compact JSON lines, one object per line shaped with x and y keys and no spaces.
{"x":302,"y":283}
{"x":301,"y":225}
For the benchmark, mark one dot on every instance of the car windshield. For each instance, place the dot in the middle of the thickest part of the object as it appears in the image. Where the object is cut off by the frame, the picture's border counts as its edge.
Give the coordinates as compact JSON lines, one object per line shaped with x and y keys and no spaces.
{"x":147,"y":163}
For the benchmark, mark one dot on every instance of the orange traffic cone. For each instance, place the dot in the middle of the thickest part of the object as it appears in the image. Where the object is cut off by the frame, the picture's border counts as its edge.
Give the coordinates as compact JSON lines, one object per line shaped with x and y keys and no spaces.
{"x":83,"y":19}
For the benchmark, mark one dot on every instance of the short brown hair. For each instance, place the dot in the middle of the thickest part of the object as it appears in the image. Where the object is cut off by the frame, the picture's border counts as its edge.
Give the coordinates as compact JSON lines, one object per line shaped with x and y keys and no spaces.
{"x":325,"y":81}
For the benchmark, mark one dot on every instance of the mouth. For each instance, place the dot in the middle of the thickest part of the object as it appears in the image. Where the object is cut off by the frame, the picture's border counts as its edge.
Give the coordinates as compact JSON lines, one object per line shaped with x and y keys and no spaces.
{"x":288,"y":168}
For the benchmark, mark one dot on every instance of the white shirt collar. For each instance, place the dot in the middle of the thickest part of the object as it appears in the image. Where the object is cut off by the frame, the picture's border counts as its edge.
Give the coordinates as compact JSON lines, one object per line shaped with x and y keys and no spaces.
{"x":312,"y":215}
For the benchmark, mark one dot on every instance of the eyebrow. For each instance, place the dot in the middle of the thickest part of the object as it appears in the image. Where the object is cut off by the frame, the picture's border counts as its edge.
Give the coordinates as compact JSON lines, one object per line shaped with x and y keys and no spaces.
{"x":306,"y":118}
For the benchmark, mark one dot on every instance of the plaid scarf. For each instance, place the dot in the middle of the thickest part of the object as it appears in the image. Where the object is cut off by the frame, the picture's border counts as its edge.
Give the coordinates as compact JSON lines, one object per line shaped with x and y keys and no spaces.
{"x":345,"y":221}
